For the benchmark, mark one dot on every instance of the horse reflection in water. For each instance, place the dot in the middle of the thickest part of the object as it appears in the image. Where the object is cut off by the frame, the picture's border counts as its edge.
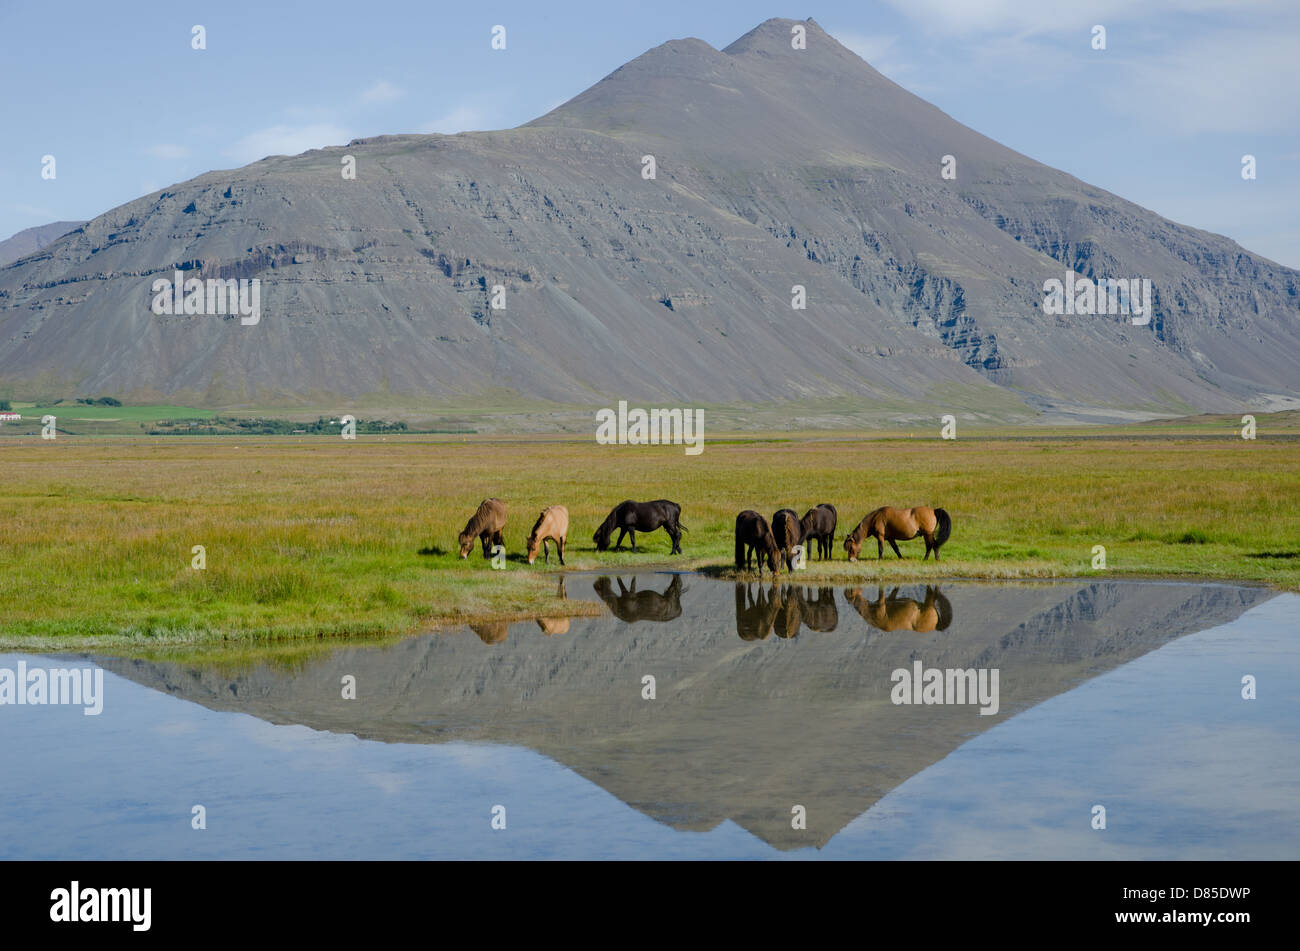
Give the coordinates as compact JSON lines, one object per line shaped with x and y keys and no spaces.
{"x":783,"y":609}
{"x":630,"y":605}
{"x":893,"y":613}
{"x":490,"y":632}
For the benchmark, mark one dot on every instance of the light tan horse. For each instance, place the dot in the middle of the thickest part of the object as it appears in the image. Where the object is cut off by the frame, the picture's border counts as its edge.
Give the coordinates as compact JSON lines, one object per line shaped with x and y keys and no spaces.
{"x":552,"y":526}
{"x":903,"y":614}
{"x":899,"y":525}
{"x":486,"y":524}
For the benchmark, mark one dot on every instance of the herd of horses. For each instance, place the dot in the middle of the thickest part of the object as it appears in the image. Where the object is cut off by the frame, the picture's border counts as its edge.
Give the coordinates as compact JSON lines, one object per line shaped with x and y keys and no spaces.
{"x":781,"y":610}
{"x":776,"y":543}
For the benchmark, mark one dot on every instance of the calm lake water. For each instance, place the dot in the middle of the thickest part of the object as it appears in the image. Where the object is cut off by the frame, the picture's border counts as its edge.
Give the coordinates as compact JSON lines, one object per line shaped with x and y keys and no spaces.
{"x":769,"y":702}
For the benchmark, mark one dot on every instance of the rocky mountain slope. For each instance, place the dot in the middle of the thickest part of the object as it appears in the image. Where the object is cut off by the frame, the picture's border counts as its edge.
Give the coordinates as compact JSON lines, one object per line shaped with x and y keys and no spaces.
{"x":30,"y":240}
{"x":774,"y":167}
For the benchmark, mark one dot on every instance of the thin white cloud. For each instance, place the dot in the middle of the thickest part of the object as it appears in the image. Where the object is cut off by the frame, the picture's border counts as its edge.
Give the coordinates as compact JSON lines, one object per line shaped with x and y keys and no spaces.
{"x":166,"y":150}
{"x":461,"y":119}
{"x":1053,"y":16}
{"x":382,"y":91}
{"x":1234,"y":82}
{"x":287,"y":140}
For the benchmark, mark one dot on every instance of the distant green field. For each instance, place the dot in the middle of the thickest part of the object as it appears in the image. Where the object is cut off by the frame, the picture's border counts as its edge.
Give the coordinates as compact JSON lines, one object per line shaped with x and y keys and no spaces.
{"x":137,"y":414}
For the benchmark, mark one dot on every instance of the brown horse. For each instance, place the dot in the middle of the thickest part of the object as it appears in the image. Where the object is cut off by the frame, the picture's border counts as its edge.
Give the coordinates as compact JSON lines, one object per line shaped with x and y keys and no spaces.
{"x":491,"y":632}
{"x":906,"y":614}
{"x":788,"y":534}
{"x":819,"y":523}
{"x":753,"y":535}
{"x":552,"y":526}
{"x":487,"y":524}
{"x":817,"y":607}
{"x":789,"y":614}
{"x":899,"y":525}
{"x":755,"y":616}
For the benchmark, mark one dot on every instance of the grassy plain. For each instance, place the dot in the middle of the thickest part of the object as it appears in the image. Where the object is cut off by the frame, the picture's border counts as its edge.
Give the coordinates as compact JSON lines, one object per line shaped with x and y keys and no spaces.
{"x":316,"y":537}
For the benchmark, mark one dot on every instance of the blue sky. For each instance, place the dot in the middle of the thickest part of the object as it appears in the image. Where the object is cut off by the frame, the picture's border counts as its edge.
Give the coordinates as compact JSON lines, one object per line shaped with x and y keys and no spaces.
{"x":1162,"y":116}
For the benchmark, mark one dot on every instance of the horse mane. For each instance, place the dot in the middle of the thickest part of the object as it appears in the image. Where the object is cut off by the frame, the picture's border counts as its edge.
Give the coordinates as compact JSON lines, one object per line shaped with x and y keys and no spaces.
{"x":478,"y":521}
{"x":607,"y":527}
{"x":537,"y":526}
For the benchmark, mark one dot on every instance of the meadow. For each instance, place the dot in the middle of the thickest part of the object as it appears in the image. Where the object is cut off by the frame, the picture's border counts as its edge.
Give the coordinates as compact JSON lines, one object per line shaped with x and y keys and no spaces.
{"x":306,"y":538}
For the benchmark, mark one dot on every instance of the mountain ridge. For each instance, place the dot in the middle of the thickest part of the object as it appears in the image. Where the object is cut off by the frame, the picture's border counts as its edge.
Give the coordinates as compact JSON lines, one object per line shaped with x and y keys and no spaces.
{"x":804,"y":167}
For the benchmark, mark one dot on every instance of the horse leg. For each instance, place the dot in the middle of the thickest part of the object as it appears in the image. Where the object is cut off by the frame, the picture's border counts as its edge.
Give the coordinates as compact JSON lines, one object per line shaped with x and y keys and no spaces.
{"x":546,"y":550}
{"x":632,"y":532}
{"x":622,"y":532}
{"x":929,"y":542}
{"x":559,"y":546}
{"x":880,"y":548}
{"x":894,"y":545}
{"x":485,"y":537}
{"x":677,"y":542}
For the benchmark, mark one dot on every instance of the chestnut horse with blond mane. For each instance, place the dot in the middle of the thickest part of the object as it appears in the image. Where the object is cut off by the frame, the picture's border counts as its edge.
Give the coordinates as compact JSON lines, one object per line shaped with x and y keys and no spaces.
{"x":893,"y":525}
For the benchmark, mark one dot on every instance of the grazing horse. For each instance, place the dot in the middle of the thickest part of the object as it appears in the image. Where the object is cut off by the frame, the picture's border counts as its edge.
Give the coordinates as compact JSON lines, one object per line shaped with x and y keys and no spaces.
{"x":487,"y":525}
{"x":907,"y":614}
{"x":631,"y":517}
{"x":754,"y":617}
{"x":552,"y":526}
{"x":631,"y":605}
{"x":789,"y":615}
{"x":817,"y":607}
{"x":890,"y":525}
{"x":490,"y":632}
{"x":819,"y":523}
{"x":788,"y":533}
{"x":754,"y":536}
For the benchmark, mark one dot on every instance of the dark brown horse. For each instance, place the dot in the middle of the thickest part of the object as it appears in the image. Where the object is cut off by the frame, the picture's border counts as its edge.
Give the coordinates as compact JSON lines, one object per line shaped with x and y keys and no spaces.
{"x":631,"y":517}
{"x":487,"y":524}
{"x":788,"y":533}
{"x":899,"y":525}
{"x":754,"y":616}
{"x":817,"y":607}
{"x":753,"y":535}
{"x":789,"y":614}
{"x":819,"y":523}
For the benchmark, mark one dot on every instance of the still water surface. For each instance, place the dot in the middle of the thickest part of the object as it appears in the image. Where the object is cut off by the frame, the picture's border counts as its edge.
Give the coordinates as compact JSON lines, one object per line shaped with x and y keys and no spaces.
{"x":1121,"y":694}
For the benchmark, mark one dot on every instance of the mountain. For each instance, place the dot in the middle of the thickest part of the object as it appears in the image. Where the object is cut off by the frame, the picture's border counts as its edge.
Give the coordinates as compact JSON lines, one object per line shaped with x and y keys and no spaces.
{"x":741,"y":728}
{"x":33,"y":239}
{"x":774,"y":167}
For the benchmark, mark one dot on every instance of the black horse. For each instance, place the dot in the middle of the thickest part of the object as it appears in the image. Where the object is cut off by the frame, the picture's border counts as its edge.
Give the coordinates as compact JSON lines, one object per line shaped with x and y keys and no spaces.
{"x":819,"y":523}
{"x":631,"y":517}
{"x":630,"y":605}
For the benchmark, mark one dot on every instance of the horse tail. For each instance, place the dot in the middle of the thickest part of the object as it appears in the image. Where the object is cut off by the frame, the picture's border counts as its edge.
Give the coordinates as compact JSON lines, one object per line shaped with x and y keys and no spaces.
{"x":945,"y":527}
{"x":682,"y":527}
{"x":944,"y":607}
